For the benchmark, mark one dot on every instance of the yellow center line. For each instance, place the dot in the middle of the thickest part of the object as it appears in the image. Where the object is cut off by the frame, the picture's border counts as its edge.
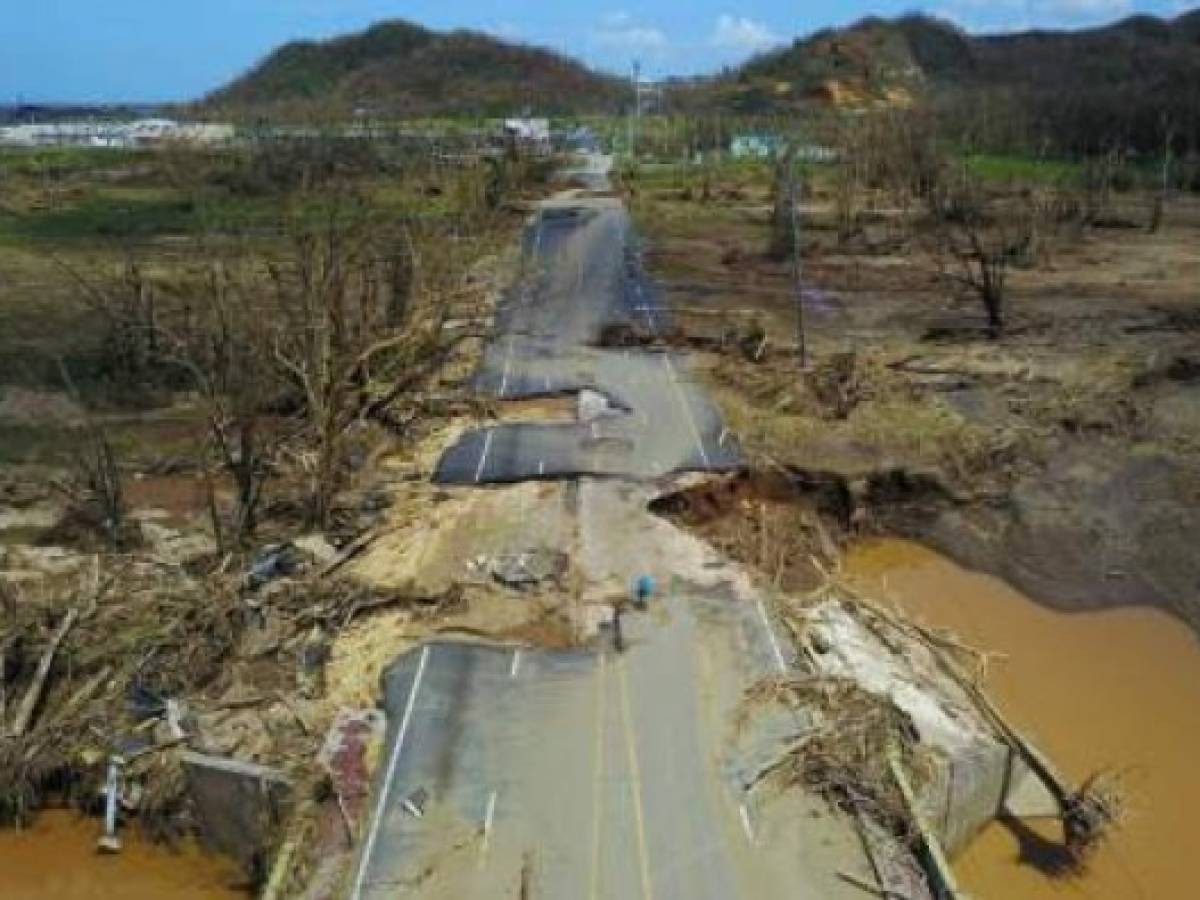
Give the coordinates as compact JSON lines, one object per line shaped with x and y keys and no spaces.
{"x":635,"y":774}
{"x":598,"y":781}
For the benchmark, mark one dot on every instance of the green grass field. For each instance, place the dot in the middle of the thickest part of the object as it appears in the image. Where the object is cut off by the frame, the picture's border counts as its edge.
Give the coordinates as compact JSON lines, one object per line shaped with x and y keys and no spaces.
{"x":1023,"y":169}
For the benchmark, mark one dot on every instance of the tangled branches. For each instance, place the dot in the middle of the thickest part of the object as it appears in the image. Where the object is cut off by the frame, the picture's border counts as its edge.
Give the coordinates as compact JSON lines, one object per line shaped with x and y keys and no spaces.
{"x":843,"y":756}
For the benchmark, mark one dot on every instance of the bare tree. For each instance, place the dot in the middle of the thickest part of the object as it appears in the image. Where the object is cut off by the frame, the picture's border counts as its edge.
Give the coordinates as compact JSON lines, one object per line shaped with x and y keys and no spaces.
{"x":226,"y":347}
{"x":982,"y":241}
{"x":337,"y":327}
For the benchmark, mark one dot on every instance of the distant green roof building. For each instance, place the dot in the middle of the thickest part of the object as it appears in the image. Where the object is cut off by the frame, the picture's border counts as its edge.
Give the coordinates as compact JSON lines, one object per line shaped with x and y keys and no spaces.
{"x":755,"y":146}
{"x":768,"y":146}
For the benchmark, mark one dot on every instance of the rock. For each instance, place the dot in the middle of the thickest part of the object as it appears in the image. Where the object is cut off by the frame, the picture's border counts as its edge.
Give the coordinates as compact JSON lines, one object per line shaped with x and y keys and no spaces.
{"x":317,"y":546}
{"x":273,"y":561}
{"x":526,"y":570}
{"x":593,"y":406}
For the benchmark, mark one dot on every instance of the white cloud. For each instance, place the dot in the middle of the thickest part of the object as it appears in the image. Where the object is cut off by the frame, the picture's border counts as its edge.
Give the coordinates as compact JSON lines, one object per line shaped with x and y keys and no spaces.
{"x":1019,"y":15}
{"x":1086,"y":9}
{"x":507,"y":30}
{"x":742,"y":34}
{"x":620,"y":29}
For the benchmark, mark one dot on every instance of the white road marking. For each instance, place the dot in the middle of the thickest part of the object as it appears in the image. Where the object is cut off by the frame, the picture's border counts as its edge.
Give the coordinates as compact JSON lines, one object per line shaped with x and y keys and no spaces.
{"x":745,"y":814}
{"x":779,"y":660}
{"x":377,"y":820}
{"x":646,"y":309}
{"x":507,"y":368}
{"x":488,"y":816}
{"x":516,"y":664}
{"x":687,"y":410}
{"x":674,"y":381}
{"x":635,"y":784}
{"x":487,"y":445}
{"x":598,"y":760}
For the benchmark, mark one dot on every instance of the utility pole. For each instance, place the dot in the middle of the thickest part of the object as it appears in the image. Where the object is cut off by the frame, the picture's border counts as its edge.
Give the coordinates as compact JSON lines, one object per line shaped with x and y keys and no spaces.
{"x":635,"y":114}
{"x":797,"y":283}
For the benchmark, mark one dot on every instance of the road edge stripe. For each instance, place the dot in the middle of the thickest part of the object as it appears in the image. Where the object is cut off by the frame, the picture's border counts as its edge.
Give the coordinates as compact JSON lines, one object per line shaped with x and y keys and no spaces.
{"x":385,"y":790}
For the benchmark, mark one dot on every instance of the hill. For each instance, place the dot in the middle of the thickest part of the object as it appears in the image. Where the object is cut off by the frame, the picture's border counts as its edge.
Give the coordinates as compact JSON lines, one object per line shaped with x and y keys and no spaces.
{"x":1117,"y":84}
{"x":396,"y":68}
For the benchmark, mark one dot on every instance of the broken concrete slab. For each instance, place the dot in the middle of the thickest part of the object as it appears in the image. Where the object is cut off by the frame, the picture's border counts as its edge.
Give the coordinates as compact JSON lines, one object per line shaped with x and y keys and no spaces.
{"x":975,"y":773}
{"x":239,"y":805}
{"x":526,"y":570}
{"x":593,"y":405}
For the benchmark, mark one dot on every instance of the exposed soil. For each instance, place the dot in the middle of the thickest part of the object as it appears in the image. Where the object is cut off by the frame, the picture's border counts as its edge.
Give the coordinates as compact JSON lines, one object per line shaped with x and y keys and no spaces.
{"x":1064,"y":456}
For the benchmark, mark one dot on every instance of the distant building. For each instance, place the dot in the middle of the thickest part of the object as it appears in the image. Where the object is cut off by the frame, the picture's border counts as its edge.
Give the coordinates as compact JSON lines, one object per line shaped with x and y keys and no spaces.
{"x":755,"y":146}
{"x":533,"y":133}
{"x":768,"y":146}
{"x":579,"y":140}
{"x":137,"y":133}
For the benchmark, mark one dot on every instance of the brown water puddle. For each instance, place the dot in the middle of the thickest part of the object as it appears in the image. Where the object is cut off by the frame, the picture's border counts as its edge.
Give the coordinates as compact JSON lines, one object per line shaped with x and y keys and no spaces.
{"x":1118,"y":689}
{"x":56,"y":859}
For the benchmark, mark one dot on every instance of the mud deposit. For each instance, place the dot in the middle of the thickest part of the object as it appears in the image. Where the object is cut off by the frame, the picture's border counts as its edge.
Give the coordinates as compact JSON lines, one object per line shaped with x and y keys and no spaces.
{"x":56,"y":859}
{"x":1117,"y":689}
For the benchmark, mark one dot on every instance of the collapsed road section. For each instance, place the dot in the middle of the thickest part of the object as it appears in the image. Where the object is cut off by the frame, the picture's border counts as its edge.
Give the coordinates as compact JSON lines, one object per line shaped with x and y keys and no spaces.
{"x":610,"y":769}
{"x":695,"y":737}
{"x":524,"y":772}
{"x":585,"y":279}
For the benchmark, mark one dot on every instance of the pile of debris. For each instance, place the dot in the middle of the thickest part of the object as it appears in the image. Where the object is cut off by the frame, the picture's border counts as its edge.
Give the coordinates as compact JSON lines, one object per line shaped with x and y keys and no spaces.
{"x":896,"y":728}
{"x":132,"y":663}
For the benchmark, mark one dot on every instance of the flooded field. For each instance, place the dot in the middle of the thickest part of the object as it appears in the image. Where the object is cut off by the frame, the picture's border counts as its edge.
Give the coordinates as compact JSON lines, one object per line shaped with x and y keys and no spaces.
{"x":1117,"y":690}
{"x":56,"y":859}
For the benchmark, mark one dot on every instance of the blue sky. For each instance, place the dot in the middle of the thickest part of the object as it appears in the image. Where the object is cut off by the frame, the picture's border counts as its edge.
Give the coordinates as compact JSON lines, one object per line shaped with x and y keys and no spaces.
{"x":104,"y":50}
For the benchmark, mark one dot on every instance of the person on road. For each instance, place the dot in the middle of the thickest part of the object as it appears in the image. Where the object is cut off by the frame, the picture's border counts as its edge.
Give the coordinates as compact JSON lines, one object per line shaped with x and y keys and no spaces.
{"x":643,"y":590}
{"x":618,"y":608}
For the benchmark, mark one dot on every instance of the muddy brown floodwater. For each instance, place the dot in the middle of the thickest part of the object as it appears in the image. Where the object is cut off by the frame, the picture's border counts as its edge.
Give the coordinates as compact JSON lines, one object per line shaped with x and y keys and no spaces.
{"x":1118,"y":689}
{"x":56,"y":859}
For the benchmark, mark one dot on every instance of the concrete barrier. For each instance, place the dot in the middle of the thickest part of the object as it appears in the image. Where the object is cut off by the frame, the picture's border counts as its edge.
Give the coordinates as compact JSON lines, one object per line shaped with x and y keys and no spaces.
{"x":239,"y":806}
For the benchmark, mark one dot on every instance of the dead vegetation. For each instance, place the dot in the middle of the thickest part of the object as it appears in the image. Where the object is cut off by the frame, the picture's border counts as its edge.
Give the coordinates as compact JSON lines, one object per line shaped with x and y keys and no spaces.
{"x":994,"y":335}
{"x":296,"y":360}
{"x":97,"y":659}
{"x":844,"y":756}
{"x":853,"y":736}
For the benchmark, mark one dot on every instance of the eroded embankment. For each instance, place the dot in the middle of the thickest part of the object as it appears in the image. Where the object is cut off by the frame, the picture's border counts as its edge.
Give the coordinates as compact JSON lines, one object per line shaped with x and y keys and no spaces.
{"x":1116,"y":690}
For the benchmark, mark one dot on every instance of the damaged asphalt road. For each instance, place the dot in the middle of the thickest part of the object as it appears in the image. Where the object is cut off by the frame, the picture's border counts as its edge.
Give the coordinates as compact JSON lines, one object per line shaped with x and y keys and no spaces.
{"x":589,"y":774}
{"x":586,"y":276}
{"x":523,"y":772}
